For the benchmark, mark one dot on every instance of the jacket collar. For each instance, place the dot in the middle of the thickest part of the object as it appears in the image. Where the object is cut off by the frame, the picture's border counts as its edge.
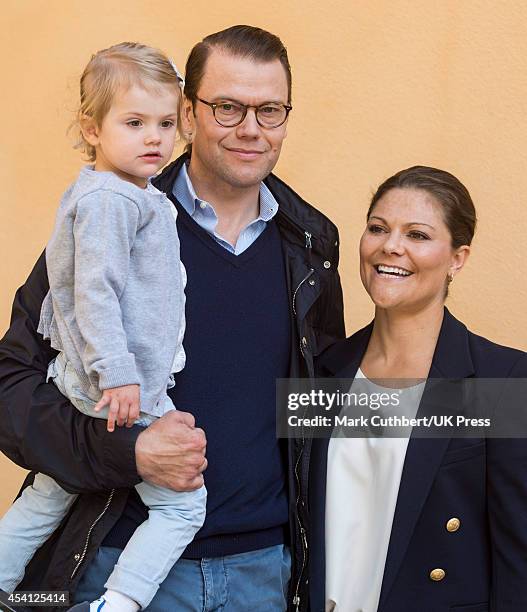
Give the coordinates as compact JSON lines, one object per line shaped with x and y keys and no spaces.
{"x":294,"y":213}
{"x":452,"y":358}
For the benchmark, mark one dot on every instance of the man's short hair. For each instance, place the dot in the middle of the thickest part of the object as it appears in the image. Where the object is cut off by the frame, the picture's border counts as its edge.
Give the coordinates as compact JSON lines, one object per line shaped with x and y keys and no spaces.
{"x":240,"y":41}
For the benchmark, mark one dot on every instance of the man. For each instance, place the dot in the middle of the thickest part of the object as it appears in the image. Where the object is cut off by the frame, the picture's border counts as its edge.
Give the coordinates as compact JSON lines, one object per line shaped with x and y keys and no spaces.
{"x":263,"y":297}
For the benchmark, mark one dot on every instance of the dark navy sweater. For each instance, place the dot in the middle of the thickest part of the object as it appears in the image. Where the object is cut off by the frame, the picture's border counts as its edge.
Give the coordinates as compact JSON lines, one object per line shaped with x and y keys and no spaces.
{"x":237,"y":342}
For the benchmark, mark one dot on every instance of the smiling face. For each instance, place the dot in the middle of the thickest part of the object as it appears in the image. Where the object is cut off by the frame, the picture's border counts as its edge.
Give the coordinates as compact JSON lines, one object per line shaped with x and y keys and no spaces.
{"x":240,"y":156}
{"x":406,"y":252}
{"x":136,"y":137}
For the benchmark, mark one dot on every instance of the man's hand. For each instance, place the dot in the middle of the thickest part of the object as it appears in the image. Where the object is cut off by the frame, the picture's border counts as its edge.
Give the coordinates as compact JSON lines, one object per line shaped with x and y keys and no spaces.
{"x":171,"y":452}
{"x":124,"y":405}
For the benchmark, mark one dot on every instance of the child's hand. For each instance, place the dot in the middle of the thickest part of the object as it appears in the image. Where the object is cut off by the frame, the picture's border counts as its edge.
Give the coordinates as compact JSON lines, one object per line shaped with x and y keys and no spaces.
{"x":124,"y":405}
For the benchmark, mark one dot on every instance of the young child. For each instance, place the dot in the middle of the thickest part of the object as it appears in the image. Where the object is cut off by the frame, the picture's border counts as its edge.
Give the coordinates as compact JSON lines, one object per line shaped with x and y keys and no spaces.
{"x":115,"y":311}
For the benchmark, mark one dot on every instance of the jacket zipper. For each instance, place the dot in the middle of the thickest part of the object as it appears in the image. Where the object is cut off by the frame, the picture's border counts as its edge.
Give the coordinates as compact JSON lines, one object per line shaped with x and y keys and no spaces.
{"x":296,"y":598}
{"x":303,"y":344}
{"x":83,"y":554}
{"x":308,"y":237}
{"x":311,"y":271}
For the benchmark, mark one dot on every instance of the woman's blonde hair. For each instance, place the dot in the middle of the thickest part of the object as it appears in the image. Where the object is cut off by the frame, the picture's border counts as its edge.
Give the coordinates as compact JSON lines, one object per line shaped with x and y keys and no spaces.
{"x":112,"y":69}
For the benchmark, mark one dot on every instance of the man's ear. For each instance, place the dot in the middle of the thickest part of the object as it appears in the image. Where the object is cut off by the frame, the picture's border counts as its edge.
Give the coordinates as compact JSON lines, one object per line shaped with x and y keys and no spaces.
{"x":187,"y":119}
{"x":90,"y":130}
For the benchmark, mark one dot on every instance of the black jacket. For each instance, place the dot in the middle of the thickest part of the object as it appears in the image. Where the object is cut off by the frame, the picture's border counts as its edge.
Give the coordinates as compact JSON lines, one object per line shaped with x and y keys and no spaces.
{"x":481,"y":482}
{"x":40,"y":431}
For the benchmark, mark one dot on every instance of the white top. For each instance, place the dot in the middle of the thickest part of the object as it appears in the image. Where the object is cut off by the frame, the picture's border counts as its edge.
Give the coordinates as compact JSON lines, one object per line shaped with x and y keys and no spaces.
{"x":363,"y":478}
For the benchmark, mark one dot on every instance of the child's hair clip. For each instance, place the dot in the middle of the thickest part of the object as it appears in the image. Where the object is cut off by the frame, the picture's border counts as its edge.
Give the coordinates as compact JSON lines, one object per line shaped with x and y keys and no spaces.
{"x":178,"y":74}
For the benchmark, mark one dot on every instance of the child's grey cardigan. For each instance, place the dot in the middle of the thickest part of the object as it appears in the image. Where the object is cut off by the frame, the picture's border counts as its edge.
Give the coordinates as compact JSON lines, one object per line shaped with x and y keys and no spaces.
{"x":116,"y":302}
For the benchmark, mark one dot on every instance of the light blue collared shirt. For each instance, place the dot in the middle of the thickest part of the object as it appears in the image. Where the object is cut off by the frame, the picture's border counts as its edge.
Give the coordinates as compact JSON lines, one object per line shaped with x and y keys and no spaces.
{"x":205,"y":216}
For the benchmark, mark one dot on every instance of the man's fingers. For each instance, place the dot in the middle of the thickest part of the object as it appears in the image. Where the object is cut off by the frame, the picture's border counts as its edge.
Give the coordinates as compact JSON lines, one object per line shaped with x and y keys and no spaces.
{"x":189,"y":485}
{"x":198,"y":482}
{"x":171,"y":452}
{"x":193,"y":443}
{"x":183,"y":417}
{"x":198,"y":439}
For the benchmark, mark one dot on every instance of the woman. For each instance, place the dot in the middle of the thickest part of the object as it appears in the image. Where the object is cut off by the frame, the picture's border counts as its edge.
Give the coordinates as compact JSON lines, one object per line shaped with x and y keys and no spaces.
{"x":418,"y":525}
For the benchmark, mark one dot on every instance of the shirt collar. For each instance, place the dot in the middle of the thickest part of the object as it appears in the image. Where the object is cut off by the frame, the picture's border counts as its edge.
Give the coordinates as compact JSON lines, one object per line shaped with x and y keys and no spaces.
{"x":184,"y":192}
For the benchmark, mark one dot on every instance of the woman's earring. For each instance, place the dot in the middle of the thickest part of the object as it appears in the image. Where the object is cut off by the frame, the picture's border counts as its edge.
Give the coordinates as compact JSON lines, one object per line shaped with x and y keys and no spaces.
{"x":450,"y":277}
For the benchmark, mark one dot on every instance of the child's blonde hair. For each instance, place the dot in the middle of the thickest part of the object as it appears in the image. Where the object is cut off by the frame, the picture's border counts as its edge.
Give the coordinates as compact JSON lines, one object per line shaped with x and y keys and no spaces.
{"x":109,"y":70}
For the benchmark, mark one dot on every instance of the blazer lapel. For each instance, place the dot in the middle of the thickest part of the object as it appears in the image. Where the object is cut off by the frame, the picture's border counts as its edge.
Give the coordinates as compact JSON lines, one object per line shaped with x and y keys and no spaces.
{"x":451,"y":360}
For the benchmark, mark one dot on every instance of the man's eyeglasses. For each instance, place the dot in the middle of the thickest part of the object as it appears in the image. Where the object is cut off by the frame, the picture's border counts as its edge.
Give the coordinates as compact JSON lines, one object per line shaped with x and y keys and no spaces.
{"x":229,"y":113}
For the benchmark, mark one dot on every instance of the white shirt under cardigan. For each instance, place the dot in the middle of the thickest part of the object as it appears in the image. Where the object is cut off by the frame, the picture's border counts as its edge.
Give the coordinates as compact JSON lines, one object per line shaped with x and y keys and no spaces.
{"x":363,"y":478}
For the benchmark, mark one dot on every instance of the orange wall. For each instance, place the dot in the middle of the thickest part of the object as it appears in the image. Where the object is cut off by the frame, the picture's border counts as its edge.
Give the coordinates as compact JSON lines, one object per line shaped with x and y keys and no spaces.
{"x":378,"y":86}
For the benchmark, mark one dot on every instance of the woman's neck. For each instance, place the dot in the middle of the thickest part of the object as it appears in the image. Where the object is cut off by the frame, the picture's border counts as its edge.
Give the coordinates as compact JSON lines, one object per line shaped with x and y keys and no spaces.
{"x":402,"y":344}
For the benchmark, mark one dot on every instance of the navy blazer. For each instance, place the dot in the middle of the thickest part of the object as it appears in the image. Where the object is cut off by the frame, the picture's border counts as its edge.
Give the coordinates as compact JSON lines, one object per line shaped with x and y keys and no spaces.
{"x":482,"y":482}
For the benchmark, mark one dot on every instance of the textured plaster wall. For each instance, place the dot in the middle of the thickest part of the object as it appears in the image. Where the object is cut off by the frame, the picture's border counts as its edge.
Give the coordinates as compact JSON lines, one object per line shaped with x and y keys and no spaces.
{"x":378,"y":86}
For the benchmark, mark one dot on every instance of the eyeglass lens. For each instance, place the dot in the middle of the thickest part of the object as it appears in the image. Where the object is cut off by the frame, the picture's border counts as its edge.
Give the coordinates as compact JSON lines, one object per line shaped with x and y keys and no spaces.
{"x":269,"y":115}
